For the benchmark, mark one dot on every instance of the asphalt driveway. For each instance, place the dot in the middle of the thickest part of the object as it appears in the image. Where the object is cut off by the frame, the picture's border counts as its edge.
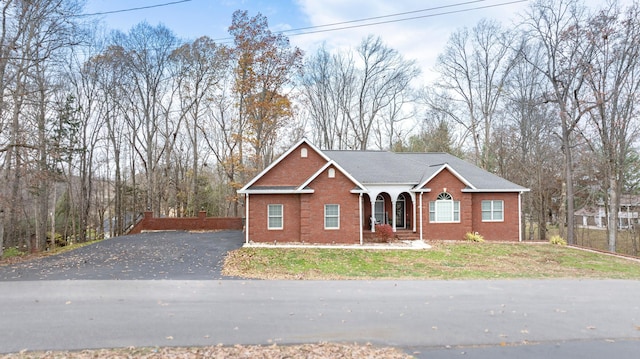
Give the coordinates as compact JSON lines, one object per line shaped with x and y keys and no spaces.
{"x":146,"y":256}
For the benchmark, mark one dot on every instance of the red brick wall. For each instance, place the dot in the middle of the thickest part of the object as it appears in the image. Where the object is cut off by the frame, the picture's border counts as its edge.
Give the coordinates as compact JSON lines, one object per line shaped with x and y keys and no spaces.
{"x":258,"y":226}
{"x":470,"y":212}
{"x":304,"y":213}
{"x":452,"y":231}
{"x":331,"y":191}
{"x":293,"y":170}
{"x":200,"y":223}
{"x":509,"y":229}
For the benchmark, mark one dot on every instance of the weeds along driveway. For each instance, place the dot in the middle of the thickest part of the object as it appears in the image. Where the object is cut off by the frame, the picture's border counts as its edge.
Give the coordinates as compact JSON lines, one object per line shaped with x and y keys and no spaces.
{"x":146,"y":256}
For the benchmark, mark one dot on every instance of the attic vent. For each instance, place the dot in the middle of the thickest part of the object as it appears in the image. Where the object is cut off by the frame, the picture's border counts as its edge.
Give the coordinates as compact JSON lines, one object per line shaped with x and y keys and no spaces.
{"x":332,"y":172}
{"x":303,"y":153}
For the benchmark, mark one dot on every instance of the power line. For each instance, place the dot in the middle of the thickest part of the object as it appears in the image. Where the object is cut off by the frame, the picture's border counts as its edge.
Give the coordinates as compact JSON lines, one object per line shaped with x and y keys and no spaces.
{"x":134,"y":8}
{"x":384,"y":16}
{"x":407,"y":18}
{"x":295,"y":32}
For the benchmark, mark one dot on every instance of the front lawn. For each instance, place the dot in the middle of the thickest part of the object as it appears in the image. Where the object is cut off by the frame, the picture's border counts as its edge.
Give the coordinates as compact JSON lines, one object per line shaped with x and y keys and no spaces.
{"x":443,"y":261}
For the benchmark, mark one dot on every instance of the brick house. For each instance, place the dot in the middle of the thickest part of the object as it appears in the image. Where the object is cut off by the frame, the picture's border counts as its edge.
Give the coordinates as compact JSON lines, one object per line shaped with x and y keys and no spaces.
{"x":314,"y":196}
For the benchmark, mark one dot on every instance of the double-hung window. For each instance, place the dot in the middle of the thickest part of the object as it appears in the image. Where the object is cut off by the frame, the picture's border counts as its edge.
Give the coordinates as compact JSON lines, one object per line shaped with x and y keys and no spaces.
{"x":444,"y":209}
{"x":331,"y":216}
{"x":274,"y":216}
{"x":492,"y":211}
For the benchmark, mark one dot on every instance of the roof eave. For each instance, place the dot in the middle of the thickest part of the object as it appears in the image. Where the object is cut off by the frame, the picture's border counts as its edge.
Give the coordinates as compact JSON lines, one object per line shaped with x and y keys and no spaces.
{"x":276,"y":191}
{"x":502,"y":190}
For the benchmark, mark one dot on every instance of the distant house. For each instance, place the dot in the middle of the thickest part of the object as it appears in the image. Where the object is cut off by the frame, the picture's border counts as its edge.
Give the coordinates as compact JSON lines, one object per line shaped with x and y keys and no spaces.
{"x":314,"y":196}
{"x":596,"y":216}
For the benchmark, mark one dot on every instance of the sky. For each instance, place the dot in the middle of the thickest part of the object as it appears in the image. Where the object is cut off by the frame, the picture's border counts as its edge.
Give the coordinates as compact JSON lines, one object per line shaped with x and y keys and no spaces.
{"x":420,"y":39}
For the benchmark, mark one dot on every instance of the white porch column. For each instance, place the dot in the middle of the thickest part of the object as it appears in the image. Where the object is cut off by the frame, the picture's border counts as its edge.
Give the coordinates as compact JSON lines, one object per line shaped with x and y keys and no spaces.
{"x":414,"y":205}
{"x":393,"y":213}
{"x":372,"y":219}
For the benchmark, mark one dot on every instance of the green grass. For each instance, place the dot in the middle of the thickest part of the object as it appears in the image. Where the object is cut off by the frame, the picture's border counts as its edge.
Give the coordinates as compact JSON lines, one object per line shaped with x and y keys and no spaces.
{"x":443,"y":261}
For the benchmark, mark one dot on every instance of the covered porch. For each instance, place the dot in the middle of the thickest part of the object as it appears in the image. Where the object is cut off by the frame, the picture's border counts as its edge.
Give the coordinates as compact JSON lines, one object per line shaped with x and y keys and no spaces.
{"x":395,"y":206}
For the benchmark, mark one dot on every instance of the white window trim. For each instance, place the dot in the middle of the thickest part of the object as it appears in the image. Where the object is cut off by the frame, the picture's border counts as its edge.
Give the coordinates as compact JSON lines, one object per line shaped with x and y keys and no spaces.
{"x":491,"y":201}
{"x":281,"y":216}
{"x":453,"y":211}
{"x":332,"y":216}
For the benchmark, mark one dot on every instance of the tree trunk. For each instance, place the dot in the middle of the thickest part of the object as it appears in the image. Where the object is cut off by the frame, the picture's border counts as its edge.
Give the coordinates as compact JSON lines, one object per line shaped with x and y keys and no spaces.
{"x":614,"y":205}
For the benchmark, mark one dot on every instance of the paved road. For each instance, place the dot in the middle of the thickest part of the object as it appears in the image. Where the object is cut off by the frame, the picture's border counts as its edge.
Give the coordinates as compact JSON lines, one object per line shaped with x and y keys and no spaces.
{"x":422,"y":316}
{"x":158,"y":255}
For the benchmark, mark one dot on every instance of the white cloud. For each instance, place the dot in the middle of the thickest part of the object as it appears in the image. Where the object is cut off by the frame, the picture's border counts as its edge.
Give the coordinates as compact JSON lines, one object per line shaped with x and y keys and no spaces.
{"x":419,"y":39}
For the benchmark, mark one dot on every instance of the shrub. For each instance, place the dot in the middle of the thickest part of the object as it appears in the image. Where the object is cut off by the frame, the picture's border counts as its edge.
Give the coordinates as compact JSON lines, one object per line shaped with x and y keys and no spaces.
{"x":11,"y":252}
{"x":556,"y":239}
{"x":474,"y":237}
{"x":384,"y":232}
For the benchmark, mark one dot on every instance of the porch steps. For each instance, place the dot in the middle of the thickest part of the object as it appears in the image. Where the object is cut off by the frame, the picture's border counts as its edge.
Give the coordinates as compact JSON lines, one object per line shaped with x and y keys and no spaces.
{"x":407,"y":235}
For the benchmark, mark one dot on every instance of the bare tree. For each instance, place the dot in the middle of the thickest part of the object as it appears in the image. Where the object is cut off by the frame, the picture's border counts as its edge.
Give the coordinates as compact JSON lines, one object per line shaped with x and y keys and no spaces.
{"x":200,"y":67}
{"x":473,"y":70}
{"x":322,"y":93}
{"x":356,"y":97}
{"x":145,"y":52}
{"x":613,"y":82}
{"x":35,"y":35}
{"x":527,"y":151}
{"x":557,"y":26}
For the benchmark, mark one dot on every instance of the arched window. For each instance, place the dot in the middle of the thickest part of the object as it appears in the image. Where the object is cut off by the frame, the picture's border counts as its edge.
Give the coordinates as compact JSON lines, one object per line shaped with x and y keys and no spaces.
{"x":332,"y":173}
{"x":303,"y":152}
{"x":444,"y":209}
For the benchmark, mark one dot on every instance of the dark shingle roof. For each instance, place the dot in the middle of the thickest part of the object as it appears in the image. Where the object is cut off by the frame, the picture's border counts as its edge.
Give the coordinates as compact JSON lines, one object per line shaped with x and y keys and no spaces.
{"x":377,"y":167}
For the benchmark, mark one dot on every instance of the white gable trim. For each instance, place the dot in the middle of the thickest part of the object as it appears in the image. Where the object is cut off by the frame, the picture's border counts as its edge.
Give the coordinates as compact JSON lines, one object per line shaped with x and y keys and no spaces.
{"x":454,"y":172}
{"x":282,"y":157}
{"x":342,"y":170}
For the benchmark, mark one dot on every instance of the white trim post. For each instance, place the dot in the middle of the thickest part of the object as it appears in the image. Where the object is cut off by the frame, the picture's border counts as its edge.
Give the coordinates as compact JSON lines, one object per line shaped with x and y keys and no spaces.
{"x":421,"y":238}
{"x":519,"y":216}
{"x":246,"y":218}
{"x":360,"y":214}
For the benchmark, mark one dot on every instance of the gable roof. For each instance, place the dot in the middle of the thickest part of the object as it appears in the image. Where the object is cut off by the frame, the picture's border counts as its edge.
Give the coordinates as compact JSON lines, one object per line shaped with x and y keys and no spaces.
{"x":279,"y":159}
{"x":389,"y":168}
{"x":380,"y":167}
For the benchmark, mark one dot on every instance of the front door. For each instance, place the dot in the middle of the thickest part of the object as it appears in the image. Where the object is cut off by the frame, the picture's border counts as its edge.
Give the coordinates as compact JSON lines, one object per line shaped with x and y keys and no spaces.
{"x":401,"y":209}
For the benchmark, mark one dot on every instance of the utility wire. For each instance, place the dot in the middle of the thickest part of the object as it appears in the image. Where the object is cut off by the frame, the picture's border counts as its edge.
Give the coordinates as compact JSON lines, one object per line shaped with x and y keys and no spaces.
{"x":405,"y":19}
{"x":295,"y":32}
{"x":383,"y":16}
{"x":134,"y":8}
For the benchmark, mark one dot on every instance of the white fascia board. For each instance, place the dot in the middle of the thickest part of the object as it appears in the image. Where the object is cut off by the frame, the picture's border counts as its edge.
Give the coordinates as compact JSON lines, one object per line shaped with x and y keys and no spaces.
{"x":503,"y":190}
{"x":276,"y":191}
{"x":283,"y":156}
{"x":454,"y":172}
{"x":421,"y":190}
{"x":392,"y":184}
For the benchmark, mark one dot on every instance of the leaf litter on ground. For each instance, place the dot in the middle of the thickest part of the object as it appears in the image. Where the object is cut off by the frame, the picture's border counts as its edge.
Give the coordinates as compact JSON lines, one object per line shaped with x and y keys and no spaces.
{"x":307,"y":351}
